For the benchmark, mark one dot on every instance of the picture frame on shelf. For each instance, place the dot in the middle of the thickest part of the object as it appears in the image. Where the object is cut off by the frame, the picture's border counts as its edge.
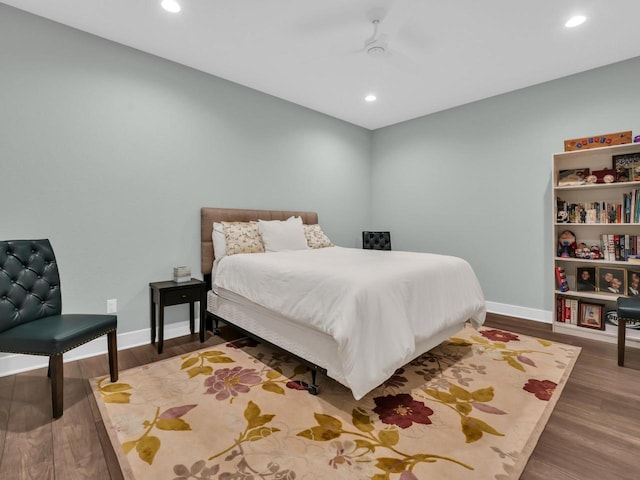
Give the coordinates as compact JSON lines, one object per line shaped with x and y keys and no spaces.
{"x":625,"y":160}
{"x":586,"y":279}
{"x":633,"y":283}
{"x":611,"y":280}
{"x":591,"y":315}
{"x":576,"y":176}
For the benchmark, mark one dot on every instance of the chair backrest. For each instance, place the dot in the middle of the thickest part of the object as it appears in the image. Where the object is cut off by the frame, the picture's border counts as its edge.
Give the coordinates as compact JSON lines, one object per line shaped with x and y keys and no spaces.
{"x":376,"y":240}
{"x":29,"y":282}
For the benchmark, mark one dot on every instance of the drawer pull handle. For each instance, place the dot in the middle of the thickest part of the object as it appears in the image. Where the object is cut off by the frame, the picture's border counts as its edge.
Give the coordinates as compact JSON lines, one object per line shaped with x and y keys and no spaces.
{"x":184,"y":296}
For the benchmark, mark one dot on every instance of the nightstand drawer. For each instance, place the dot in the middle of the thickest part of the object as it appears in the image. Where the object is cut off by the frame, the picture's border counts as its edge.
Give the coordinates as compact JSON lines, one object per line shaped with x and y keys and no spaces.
{"x":183,"y":295}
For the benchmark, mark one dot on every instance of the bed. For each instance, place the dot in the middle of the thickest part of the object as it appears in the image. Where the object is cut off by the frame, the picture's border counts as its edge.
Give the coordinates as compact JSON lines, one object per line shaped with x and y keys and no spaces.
{"x":355,"y":315}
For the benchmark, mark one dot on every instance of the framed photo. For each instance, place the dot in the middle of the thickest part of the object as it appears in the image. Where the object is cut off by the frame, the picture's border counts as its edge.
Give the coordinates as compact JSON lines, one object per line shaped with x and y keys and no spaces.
{"x":627,"y":167}
{"x":577,"y":176}
{"x":612,"y":280}
{"x":591,"y":315}
{"x":625,"y":161}
{"x":633,"y":283}
{"x":586,"y":279}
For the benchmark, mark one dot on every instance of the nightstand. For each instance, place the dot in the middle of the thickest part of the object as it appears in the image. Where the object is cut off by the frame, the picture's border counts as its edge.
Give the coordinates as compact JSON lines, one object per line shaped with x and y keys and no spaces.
{"x":167,"y":293}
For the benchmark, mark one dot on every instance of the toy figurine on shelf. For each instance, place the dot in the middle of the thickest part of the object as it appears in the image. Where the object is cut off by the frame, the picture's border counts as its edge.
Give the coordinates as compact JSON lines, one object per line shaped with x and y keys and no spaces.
{"x":582,"y":251}
{"x":562,"y":217}
{"x":586,"y":253}
{"x":566,"y":244}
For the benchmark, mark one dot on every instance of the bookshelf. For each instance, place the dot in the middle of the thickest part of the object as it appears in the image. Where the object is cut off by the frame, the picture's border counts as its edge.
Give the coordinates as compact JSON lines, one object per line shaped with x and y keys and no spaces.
{"x":600,"y":227}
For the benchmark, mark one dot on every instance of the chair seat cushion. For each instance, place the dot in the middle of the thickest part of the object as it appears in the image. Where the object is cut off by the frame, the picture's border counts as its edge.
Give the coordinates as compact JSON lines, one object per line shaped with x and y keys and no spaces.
{"x":629,"y":308}
{"x":56,"y":334}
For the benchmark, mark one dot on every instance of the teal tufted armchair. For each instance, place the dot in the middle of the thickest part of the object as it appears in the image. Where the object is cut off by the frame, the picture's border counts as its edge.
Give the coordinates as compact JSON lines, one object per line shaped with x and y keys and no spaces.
{"x":31,"y":318}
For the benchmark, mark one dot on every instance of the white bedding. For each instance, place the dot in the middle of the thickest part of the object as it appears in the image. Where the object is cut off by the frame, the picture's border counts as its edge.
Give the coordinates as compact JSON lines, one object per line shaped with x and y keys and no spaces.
{"x":377,"y":305}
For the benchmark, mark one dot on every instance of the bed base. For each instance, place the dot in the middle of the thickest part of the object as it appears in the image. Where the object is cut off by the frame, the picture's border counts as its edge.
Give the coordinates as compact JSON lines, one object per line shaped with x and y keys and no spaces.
{"x":212,"y":324}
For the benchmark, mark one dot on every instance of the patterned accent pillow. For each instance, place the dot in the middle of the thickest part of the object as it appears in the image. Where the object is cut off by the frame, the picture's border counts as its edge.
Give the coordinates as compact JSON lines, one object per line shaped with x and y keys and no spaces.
{"x":316,"y":238}
{"x":242,"y":237}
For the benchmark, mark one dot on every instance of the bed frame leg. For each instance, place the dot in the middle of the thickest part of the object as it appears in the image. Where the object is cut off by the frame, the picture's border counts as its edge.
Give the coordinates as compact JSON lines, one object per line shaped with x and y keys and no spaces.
{"x":216,"y":328}
{"x":313,"y":388}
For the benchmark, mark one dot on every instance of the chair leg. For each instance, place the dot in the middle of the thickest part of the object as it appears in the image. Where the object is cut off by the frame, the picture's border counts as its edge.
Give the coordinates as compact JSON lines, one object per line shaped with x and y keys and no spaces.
{"x":57,"y":380}
{"x":622,"y":333}
{"x":113,"y":355}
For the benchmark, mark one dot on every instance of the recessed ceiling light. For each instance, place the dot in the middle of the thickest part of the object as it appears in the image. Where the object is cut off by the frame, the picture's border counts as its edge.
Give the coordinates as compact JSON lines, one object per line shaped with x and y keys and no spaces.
{"x":575,"y":21}
{"x":170,"y":6}
{"x":370,"y":98}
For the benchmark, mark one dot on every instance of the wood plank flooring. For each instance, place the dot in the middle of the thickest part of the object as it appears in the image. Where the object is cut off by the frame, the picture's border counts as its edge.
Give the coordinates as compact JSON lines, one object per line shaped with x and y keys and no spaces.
{"x":593,"y":433}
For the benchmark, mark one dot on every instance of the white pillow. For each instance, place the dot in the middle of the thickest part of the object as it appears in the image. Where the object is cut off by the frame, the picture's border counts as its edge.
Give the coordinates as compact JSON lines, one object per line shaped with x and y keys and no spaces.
{"x":279,"y":236}
{"x":219,"y":241}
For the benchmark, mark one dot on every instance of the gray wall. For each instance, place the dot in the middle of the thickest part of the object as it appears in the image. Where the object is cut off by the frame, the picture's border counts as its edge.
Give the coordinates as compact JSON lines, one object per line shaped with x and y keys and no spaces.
{"x":110,"y":153}
{"x":474,"y":181}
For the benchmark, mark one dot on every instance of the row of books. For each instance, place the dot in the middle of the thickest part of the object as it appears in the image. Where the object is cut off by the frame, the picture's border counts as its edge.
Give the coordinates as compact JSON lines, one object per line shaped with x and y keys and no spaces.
{"x":567,"y":310}
{"x":621,"y":247}
{"x":627,"y":211}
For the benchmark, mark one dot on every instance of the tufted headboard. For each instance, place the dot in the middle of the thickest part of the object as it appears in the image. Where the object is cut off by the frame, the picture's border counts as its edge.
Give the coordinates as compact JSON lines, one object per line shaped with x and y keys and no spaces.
{"x":210,"y":215}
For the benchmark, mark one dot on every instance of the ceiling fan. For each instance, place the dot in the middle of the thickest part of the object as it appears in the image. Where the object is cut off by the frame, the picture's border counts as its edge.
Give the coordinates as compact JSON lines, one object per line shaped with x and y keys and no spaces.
{"x":377,"y":46}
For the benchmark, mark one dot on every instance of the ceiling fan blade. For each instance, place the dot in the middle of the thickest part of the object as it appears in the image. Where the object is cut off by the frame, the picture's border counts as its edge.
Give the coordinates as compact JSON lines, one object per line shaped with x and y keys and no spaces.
{"x":403,"y":63}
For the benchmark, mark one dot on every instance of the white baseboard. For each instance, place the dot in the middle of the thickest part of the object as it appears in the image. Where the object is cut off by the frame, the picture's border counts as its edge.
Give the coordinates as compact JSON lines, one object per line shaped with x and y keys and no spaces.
{"x":16,"y":363}
{"x":520,"y":312}
{"x":13,"y":363}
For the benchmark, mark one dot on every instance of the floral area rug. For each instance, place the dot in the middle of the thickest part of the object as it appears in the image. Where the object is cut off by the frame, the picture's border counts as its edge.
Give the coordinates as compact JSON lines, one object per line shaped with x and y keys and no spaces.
{"x":472,"y":408}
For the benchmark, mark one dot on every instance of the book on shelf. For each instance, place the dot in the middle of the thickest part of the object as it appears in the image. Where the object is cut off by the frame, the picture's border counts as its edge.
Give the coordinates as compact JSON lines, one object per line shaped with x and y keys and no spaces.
{"x":605,"y":247}
{"x":561,"y":279}
{"x":567,"y":310}
{"x":625,"y":211}
{"x":573,"y":318}
{"x":559,"y":309}
{"x":620,"y":247}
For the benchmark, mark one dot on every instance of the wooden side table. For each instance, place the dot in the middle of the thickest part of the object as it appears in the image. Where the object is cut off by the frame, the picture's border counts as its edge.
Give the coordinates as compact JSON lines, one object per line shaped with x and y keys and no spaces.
{"x":167,"y":293}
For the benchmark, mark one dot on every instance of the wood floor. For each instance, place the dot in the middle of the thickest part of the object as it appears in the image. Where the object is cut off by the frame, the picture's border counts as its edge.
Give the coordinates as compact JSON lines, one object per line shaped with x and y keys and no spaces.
{"x":593,"y":433}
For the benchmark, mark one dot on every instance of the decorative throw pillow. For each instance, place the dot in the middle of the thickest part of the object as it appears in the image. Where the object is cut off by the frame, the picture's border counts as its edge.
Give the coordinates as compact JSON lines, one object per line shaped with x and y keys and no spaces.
{"x":242,"y":237}
{"x":316,"y":238}
{"x":278,"y":235}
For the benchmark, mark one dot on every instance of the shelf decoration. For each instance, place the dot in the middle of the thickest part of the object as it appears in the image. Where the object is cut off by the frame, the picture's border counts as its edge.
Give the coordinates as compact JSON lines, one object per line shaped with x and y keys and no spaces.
{"x":591,"y":315}
{"x":561,"y":280}
{"x":605,"y":140}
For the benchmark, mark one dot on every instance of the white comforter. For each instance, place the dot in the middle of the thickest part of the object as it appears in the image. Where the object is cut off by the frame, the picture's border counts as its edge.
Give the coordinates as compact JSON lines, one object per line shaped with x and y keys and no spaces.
{"x":376,"y":304}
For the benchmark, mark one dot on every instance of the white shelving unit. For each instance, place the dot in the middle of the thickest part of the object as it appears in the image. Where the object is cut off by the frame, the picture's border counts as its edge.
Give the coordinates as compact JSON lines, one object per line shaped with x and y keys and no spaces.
{"x":590,"y":234}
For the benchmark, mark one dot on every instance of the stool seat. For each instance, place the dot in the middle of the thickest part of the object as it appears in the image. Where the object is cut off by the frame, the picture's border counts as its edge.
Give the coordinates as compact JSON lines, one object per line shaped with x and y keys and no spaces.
{"x":628,"y":309}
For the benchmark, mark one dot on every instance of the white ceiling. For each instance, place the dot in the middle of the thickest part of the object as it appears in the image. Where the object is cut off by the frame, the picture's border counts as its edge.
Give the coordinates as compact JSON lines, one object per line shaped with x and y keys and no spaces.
{"x":445,"y":53}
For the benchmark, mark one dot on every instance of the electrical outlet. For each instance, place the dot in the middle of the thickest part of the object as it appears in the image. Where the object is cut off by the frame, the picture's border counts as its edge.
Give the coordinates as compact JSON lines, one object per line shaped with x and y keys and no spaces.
{"x":112,"y":305}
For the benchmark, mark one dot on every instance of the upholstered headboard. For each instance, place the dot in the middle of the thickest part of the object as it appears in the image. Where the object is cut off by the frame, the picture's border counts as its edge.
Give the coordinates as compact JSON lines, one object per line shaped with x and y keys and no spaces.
{"x":210,"y":215}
